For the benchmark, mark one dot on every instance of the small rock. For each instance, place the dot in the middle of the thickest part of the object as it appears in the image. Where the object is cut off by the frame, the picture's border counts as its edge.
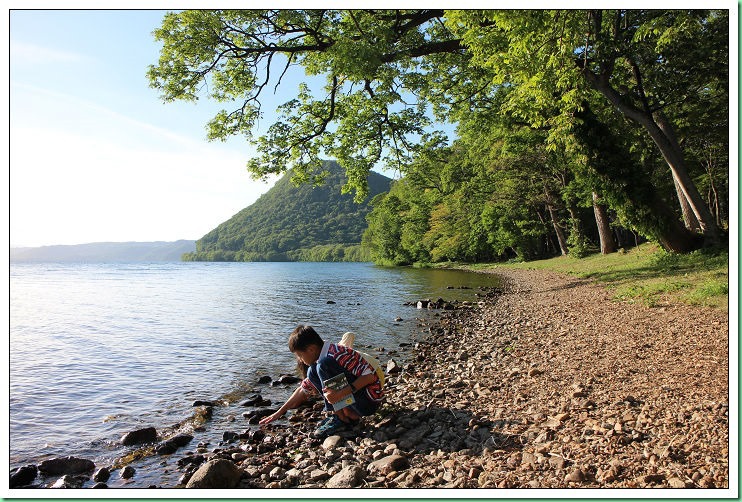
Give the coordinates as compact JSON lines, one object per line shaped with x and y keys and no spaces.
{"x":392,"y":367}
{"x":202,"y":403}
{"x":331,"y":442}
{"x":171,"y":445}
{"x":265,"y":379}
{"x":576,"y":476}
{"x":388,"y":464}
{"x":67,"y":481}
{"x":139,"y":436}
{"x":348,"y":477}
{"x":557,"y":461}
{"x":288,"y":379}
{"x":318,"y":475}
{"x":229,"y":436}
{"x":127,"y":472}
{"x":256,"y":400}
{"x":102,"y":474}
{"x":277,"y":473}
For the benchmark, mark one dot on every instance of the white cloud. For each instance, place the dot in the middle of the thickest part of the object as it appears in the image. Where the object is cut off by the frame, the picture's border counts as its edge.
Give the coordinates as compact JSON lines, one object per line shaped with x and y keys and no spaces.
{"x":25,"y":53}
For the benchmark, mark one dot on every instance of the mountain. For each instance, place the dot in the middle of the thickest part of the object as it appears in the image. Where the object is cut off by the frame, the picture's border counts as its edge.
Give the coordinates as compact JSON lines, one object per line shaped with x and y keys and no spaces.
{"x":105,"y":252}
{"x":295,"y":223}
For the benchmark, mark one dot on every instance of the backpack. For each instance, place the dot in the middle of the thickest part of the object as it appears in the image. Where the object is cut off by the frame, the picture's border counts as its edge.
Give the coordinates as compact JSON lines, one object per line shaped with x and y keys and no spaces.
{"x":347,"y":341}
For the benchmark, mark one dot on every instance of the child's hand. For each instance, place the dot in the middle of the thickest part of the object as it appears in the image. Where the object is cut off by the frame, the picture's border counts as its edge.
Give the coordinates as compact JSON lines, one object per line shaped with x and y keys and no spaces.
{"x":333,"y":396}
{"x":271,"y":418}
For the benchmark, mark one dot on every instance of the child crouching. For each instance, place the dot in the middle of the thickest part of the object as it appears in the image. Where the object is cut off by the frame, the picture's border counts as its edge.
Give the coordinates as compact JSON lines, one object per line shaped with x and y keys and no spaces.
{"x":325,"y":360}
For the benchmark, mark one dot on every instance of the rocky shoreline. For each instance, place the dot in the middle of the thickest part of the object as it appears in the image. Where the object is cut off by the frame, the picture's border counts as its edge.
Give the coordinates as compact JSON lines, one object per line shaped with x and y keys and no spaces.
{"x":546,"y":383}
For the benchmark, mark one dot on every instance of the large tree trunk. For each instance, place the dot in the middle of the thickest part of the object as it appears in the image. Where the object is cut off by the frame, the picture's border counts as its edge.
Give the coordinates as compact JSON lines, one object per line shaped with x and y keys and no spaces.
{"x":663,"y":136}
{"x":607,"y":242}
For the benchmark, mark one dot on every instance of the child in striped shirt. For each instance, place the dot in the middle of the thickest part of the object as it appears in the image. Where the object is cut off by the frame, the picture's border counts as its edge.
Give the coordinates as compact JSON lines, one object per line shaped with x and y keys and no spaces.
{"x":325,"y":360}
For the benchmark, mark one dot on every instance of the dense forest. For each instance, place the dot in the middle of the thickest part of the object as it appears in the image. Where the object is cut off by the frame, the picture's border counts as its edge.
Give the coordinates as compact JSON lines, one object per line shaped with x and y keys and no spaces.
{"x":577,"y":130}
{"x":295,"y":223}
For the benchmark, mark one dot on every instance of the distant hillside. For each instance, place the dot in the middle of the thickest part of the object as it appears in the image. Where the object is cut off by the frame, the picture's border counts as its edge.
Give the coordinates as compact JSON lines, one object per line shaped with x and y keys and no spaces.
{"x":105,"y":252}
{"x":290,"y":223}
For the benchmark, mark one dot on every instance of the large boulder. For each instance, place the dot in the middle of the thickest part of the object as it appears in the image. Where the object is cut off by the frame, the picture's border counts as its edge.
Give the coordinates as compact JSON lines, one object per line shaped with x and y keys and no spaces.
{"x":139,"y":436}
{"x":66,"y":465}
{"x":218,"y":473}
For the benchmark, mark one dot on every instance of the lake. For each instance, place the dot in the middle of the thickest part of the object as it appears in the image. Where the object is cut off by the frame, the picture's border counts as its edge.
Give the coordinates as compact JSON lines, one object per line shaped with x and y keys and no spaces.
{"x":97,"y":350}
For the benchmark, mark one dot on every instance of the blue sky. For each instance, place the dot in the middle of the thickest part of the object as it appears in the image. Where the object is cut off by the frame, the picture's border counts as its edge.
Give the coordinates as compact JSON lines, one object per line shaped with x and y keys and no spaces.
{"x":95,"y":155}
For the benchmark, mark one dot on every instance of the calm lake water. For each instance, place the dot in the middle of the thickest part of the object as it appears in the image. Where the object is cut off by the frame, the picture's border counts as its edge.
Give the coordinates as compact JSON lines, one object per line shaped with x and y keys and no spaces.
{"x":97,"y":350}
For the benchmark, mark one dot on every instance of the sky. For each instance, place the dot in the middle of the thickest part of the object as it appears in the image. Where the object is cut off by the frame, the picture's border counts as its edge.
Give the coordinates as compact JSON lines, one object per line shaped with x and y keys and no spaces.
{"x":95,"y":155}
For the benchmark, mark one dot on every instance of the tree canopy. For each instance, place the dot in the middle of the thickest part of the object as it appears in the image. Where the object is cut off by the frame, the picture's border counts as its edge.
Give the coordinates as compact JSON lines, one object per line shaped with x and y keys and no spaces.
{"x":651,"y":86}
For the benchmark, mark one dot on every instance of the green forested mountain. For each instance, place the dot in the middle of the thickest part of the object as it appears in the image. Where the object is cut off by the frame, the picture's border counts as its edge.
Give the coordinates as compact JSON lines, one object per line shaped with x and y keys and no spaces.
{"x":295,"y":223}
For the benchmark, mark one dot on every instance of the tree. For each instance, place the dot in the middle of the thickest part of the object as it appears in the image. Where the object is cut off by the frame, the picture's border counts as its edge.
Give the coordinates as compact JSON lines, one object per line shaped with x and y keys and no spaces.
{"x":369,"y":59}
{"x":635,"y":59}
{"x":384,"y":68}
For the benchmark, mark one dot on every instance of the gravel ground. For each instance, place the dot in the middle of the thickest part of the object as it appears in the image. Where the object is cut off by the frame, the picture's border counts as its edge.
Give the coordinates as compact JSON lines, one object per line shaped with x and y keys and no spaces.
{"x":547,"y":383}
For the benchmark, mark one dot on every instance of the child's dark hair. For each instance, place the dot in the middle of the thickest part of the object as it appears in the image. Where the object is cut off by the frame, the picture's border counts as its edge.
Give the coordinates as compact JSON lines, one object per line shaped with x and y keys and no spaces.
{"x":303,"y":337}
{"x":301,"y":368}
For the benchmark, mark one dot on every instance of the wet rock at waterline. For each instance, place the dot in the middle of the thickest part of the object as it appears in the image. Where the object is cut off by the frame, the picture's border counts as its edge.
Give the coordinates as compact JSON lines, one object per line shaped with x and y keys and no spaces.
{"x":139,"y":436}
{"x":128,"y":472}
{"x":103,"y":474}
{"x":66,"y":465}
{"x":256,"y":400}
{"x":68,"y":481}
{"x":23,"y":476}
{"x":172,"y":445}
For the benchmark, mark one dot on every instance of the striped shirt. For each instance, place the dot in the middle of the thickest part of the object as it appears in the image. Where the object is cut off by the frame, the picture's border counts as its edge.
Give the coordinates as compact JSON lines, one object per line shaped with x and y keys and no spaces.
{"x":352,"y":362}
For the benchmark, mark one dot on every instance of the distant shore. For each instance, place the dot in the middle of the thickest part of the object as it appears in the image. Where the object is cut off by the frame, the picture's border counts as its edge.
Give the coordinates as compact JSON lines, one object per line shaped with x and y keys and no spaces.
{"x":547,"y":383}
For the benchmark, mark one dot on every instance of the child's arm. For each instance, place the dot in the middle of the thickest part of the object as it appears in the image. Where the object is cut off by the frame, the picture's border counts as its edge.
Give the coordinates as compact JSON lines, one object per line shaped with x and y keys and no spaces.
{"x":296,"y":399}
{"x":333,"y":396}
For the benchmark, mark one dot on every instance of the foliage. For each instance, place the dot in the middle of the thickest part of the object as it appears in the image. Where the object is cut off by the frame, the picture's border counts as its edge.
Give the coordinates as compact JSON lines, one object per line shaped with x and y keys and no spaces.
{"x":290,"y":223}
{"x":551,"y":107}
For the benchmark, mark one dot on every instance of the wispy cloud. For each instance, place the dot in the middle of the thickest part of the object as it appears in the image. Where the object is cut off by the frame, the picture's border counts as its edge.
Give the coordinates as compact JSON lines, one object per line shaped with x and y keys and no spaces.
{"x":22,"y":52}
{"x":79,"y":106}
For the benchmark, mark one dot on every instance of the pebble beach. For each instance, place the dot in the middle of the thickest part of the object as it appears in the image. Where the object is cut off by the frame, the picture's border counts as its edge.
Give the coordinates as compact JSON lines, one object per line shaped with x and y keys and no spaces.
{"x":545,"y":382}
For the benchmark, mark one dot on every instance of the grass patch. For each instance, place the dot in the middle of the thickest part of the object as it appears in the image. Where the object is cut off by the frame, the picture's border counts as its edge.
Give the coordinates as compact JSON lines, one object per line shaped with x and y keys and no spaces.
{"x":645,"y":274}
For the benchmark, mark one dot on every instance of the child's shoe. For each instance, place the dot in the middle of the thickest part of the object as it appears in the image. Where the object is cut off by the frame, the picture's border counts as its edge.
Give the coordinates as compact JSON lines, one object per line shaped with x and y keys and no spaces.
{"x":328,"y":427}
